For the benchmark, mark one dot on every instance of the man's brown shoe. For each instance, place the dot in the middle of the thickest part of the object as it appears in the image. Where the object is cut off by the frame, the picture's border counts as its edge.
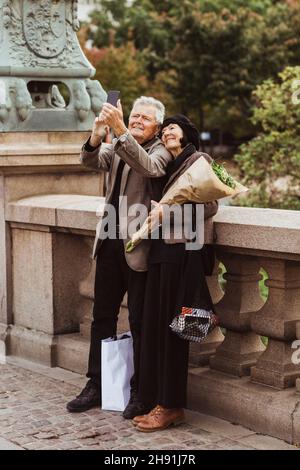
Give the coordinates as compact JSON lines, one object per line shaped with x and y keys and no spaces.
{"x":161,"y":418}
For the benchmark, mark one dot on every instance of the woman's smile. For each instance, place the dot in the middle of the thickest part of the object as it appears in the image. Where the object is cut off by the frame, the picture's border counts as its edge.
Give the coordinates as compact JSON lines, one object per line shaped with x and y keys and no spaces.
{"x":172,"y":136}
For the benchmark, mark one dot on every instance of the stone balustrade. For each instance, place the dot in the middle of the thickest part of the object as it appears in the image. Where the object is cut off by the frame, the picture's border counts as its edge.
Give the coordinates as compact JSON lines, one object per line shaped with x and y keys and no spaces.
{"x":246,"y":381}
{"x":269,"y":239}
{"x":234,"y":376}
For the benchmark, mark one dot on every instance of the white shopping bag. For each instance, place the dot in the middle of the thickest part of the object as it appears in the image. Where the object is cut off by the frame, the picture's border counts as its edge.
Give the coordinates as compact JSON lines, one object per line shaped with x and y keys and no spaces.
{"x":116,"y":371}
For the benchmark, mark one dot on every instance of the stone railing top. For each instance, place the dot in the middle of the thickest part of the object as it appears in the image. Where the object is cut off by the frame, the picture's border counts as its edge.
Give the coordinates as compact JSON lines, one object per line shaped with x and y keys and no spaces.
{"x":263,"y":230}
{"x":274,"y":218}
{"x":268,"y":230}
{"x":72,"y":211}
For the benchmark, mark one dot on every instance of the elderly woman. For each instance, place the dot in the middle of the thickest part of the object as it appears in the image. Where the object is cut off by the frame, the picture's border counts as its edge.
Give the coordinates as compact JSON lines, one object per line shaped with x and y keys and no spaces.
{"x":176,"y":277}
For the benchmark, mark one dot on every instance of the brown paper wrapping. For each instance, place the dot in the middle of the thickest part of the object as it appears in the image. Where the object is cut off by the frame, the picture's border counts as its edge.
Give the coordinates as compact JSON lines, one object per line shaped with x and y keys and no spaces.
{"x":199,"y":184}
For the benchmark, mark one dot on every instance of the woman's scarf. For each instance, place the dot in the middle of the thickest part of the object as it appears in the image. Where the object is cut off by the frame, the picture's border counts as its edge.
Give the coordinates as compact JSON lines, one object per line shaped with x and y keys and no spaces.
{"x":175,"y":164}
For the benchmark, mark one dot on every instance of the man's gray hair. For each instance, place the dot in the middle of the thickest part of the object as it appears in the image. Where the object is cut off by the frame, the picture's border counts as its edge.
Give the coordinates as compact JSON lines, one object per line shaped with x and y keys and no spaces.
{"x":149,"y":101}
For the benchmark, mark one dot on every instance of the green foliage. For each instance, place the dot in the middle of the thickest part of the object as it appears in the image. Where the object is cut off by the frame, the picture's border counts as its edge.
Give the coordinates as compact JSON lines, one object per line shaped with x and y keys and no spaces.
{"x":220,"y":57}
{"x":221,"y":271}
{"x":263,"y":289}
{"x":259,"y":6}
{"x":208,"y":55}
{"x":270,"y":162}
{"x":223,"y":175}
{"x":121,"y":69}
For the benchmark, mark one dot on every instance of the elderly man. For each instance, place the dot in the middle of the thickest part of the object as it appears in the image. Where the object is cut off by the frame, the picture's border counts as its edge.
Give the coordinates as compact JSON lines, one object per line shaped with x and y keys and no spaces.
{"x":135,"y":157}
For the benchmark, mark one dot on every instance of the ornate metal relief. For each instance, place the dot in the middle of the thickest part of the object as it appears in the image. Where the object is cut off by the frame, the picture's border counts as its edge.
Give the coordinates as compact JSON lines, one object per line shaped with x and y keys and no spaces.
{"x":44,"y":75}
{"x":46,"y":29}
{"x":44,"y":26}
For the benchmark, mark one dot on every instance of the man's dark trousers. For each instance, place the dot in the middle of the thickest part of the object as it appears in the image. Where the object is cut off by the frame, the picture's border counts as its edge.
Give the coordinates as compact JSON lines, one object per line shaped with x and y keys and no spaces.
{"x":113,"y":278}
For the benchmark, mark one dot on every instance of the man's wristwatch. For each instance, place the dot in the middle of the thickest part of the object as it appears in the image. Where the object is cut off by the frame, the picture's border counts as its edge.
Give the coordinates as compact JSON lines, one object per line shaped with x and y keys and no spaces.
{"x":124,"y":136}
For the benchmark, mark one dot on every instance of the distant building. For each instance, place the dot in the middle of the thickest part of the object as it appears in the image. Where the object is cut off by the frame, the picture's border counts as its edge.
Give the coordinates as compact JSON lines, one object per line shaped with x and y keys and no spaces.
{"x":85,"y":7}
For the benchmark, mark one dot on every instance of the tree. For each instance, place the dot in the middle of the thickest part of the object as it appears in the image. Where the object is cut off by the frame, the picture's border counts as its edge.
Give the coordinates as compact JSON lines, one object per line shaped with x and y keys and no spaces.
{"x":220,"y":57}
{"x":123,"y":68}
{"x":209,"y":55}
{"x":270,"y":162}
{"x":120,"y":69}
{"x":258,"y":6}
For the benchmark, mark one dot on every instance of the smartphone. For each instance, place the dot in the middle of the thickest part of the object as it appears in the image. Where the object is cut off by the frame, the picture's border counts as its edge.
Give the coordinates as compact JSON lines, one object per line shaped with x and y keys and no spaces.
{"x":112,"y":97}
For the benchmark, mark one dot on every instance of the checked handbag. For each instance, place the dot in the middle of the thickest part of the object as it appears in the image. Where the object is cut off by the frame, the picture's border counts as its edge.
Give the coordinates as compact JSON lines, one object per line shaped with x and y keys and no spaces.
{"x":194,"y":324}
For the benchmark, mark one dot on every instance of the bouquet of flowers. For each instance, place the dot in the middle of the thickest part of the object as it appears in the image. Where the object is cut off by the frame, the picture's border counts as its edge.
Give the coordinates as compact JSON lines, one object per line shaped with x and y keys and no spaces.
{"x":201,"y":182}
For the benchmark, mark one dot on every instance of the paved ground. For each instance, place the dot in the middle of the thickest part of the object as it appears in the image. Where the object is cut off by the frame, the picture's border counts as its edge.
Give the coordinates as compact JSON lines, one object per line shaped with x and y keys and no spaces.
{"x":33,"y":416}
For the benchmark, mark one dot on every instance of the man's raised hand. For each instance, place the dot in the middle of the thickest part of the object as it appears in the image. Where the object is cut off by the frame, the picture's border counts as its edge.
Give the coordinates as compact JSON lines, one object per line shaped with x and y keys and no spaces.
{"x":113,"y":117}
{"x":99,"y":132}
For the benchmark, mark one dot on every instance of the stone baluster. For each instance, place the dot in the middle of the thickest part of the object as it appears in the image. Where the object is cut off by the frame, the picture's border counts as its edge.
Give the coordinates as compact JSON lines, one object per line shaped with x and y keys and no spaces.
{"x":241,"y":347}
{"x":201,"y":352}
{"x":278,"y":321}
